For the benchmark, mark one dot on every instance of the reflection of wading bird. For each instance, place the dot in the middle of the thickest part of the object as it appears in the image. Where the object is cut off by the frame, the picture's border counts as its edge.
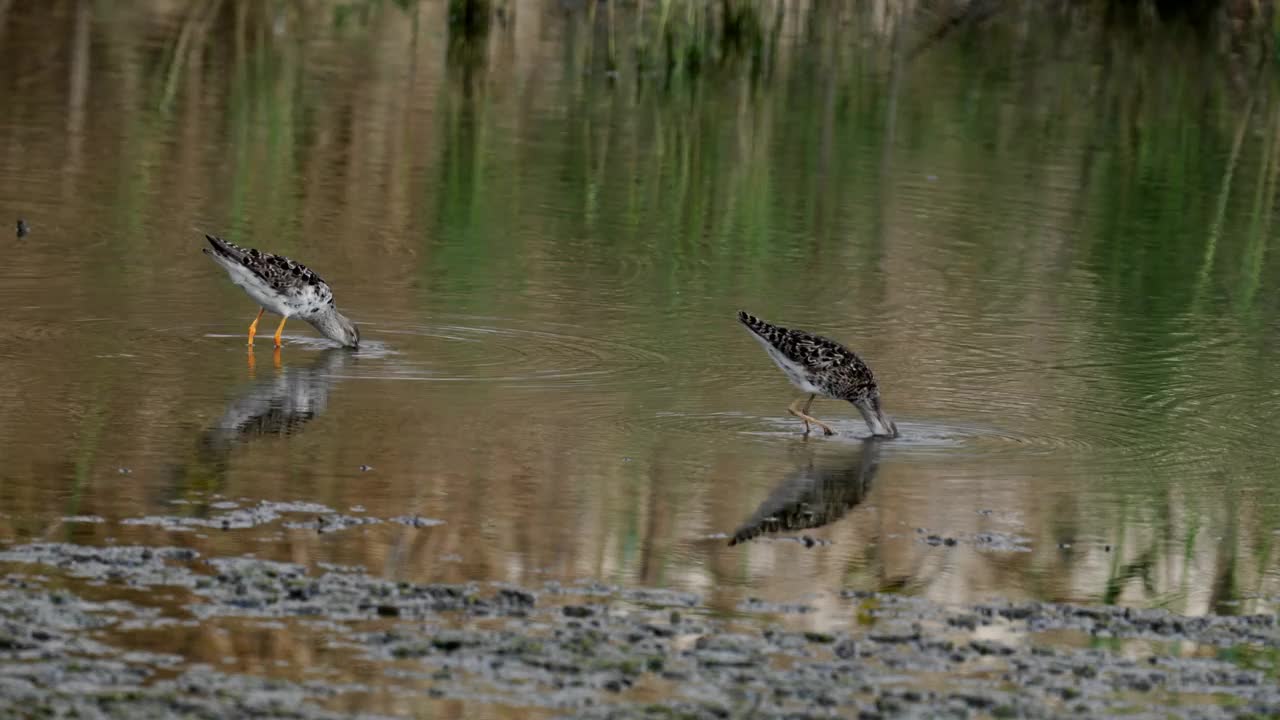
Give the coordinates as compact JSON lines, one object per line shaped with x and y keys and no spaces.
{"x":814,"y":497}
{"x":280,"y":405}
{"x":284,"y":287}
{"x":824,"y":367}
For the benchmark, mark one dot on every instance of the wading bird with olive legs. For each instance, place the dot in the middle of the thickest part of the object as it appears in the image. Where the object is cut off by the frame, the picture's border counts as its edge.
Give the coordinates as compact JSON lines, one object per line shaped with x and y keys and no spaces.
{"x":286,"y":288}
{"x":819,"y":366}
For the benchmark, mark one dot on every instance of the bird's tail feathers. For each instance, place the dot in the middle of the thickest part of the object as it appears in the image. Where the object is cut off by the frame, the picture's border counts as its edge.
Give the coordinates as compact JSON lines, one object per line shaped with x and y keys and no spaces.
{"x":756,"y":325}
{"x":224,"y":249}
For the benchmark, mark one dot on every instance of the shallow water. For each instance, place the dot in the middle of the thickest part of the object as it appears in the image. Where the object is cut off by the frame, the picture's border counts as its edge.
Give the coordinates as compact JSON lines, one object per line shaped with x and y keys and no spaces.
{"x":1069,"y":304}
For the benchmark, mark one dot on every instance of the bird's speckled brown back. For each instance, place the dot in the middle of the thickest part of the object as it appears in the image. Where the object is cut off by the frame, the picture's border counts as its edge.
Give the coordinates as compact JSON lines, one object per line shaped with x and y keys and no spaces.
{"x":283,"y":275}
{"x":833,"y":367}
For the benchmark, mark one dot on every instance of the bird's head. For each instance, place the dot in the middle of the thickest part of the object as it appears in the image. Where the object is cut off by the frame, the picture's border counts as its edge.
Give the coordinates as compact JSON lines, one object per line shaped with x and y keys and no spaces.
{"x":880,"y":423}
{"x":335,"y":326}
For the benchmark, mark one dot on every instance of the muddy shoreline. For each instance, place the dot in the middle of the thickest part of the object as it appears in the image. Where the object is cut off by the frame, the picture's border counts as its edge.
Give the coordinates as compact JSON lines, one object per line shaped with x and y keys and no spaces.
{"x":594,"y":651}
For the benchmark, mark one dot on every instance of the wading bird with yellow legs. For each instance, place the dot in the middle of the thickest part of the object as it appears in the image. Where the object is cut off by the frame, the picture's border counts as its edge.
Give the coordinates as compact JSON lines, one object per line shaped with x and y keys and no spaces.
{"x":286,"y":288}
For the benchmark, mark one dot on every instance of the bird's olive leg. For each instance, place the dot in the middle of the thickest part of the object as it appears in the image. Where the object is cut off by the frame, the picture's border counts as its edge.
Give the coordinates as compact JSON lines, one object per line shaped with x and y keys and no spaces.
{"x":807,"y":418}
{"x":825,"y":430}
{"x":253,"y":327}
{"x":280,"y":330}
{"x":794,"y":411}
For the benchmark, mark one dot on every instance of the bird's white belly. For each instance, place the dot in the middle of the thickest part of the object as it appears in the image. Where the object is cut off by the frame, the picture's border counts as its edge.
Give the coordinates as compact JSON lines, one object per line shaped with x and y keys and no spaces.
{"x":795,"y":373}
{"x":262,"y":295}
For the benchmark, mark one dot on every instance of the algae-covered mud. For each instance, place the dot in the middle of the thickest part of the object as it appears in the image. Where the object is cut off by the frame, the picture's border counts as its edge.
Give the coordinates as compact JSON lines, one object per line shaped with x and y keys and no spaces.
{"x":373,"y":647}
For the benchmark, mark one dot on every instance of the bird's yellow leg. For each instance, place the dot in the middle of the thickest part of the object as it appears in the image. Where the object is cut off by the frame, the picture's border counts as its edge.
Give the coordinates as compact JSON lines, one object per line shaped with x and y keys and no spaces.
{"x":280,"y":330}
{"x":804,"y":415}
{"x":253,"y":327}
{"x":275,"y":357}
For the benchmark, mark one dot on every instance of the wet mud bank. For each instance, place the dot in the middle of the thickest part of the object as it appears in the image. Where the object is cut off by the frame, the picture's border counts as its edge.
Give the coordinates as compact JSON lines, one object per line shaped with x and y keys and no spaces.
{"x":375,"y":647}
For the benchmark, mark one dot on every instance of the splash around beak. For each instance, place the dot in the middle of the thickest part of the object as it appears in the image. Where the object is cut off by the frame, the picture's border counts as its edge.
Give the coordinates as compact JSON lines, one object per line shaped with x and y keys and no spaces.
{"x":881,"y":425}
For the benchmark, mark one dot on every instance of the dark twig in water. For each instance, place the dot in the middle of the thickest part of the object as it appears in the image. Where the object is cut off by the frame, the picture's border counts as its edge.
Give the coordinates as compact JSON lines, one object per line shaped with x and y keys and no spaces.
{"x":23,"y":228}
